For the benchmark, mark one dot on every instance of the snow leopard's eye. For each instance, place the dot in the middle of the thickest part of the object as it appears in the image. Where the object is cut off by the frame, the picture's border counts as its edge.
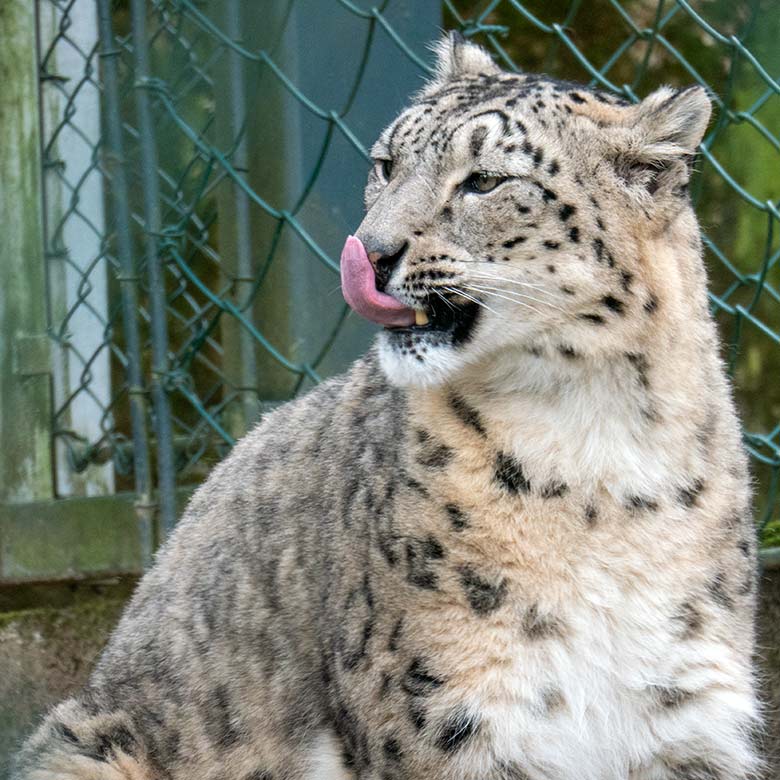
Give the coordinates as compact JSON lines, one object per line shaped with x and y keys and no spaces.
{"x":384,"y":169}
{"x":482,"y":182}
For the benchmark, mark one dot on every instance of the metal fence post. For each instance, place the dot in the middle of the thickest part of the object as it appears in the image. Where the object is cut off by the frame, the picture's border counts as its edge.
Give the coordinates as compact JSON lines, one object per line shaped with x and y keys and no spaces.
{"x":240,"y":359}
{"x":25,"y":350}
{"x":166,"y":473}
{"x":114,"y":162}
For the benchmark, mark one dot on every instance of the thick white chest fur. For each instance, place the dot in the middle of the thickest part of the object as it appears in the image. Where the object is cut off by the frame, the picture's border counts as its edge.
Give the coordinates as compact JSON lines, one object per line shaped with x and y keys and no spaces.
{"x":588,"y":428}
{"x":620,"y":691}
{"x":599,"y":703}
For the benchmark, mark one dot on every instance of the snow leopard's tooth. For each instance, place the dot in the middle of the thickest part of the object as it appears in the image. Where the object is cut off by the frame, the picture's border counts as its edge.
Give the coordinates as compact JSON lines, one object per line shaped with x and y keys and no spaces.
{"x":420,"y":317}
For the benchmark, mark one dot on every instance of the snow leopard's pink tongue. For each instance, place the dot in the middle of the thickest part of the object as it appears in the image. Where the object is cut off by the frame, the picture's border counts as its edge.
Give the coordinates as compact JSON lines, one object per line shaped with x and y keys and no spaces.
{"x":358,"y":283}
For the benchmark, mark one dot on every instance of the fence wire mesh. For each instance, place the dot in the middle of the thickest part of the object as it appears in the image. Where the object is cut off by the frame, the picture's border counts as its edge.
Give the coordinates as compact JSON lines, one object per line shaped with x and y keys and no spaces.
{"x":202,"y":164}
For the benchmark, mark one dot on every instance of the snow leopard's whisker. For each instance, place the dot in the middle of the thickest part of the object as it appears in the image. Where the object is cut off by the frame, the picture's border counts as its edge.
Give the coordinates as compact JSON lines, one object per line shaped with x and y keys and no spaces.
{"x":460,"y":292}
{"x":488,"y":293}
{"x":517,"y":282}
{"x":444,"y":298}
{"x":506,"y":298}
{"x":508,"y":295}
{"x":508,"y":279}
{"x":495,"y":290}
{"x":489,"y":263}
{"x":484,"y":274}
{"x":519,"y":293}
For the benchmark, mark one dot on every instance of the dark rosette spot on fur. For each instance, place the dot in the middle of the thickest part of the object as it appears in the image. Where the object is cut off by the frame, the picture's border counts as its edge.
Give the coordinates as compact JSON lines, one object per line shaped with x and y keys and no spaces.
{"x":695,"y":770}
{"x":395,"y":635}
{"x":566,"y":211}
{"x":354,"y":740}
{"x":688,"y":496}
{"x":651,"y":304}
{"x":419,"y":554}
{"x":508,"y":244}
{"x":466,"y":413}
{"x":691,"y":619}
{"x":457,"y":729}
{"x":594,"y":319}
{"x":392,"y":749}
{"x":418,"y":487}
{"x":220,"y":720}
{"x":613,"y":304}
{"x":553,"y":700}
{"x":434,"y":455}
{"x":670,"y":697}
{"x":509,"y":474}
{"x":555,"y":489}
{"x":641,"y":366}
{"x":642,"y":503}
{"x":567,"y":351}
{"x":484,"y":596}
{"x":419,"y":681}
{"x":718,"y":590}
{"x":357,"y":625}
{"x":417,"y":714}
{"x":477,"y":140}
{"x":117,"y":738}
{"x":384,"y":686}
{"x":457,"y":516}
{"x":538,"y":626}
{"x":389,"y":547}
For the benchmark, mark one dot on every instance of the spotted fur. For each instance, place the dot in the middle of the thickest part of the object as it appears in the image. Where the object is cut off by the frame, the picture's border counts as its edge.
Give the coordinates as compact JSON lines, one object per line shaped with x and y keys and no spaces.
{"x":511,"y":545}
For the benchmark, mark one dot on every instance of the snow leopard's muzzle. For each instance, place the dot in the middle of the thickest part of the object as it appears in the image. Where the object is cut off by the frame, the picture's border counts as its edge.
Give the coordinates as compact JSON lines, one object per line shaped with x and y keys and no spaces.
{"x":422,"y":307}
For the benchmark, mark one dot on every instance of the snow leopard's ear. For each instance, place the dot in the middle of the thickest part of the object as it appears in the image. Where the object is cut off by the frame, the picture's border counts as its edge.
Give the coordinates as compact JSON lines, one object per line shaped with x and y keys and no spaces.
{"x":456,"y":57}
{"x":659,"y":136}
{"x":671,"y":123}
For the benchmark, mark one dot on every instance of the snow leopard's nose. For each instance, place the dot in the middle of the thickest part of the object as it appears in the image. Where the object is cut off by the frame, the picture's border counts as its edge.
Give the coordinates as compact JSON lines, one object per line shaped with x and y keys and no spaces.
{"x":385,"y":259}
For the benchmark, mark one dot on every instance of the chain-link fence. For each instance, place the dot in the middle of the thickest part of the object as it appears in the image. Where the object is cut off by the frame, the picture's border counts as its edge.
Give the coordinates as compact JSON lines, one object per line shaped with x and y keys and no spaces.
{"x":203,"y":161}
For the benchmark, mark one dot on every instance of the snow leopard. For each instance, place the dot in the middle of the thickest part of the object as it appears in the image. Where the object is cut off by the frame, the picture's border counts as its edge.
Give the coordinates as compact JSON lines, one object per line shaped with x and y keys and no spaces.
{"x":514,"y":540}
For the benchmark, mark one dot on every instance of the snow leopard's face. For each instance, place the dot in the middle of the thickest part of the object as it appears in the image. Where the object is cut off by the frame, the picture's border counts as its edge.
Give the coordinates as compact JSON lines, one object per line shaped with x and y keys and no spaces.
{"x":512,"y":212}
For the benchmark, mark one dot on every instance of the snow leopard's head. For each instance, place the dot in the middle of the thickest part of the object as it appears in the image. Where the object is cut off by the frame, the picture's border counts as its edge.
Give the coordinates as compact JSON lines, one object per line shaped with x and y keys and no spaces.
{"x":512,"y":213}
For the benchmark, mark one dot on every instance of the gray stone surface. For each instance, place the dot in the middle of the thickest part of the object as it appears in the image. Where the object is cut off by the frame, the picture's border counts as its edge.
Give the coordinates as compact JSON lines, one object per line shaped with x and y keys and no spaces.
{"x":46,"y":652}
